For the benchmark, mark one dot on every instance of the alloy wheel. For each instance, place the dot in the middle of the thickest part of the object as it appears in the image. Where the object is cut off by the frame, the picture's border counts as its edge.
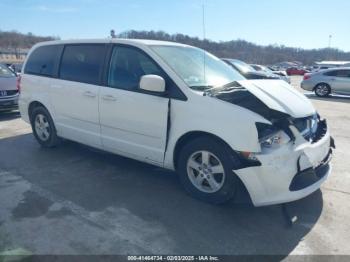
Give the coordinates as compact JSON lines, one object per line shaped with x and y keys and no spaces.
{"x":322,"y":90}
{"x":205,"y":171}
{"x":42,"y":127}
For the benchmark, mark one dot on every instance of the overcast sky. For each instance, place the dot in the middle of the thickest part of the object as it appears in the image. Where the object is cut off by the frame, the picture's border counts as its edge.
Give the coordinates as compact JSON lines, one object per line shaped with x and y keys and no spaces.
{"x":296,"y":23}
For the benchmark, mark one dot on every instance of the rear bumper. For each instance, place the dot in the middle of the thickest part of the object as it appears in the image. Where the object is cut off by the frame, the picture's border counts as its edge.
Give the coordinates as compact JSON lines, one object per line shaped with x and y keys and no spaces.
{"x":9,"y":103}
{"x":289,"y":173}
{"x":307,"y":86}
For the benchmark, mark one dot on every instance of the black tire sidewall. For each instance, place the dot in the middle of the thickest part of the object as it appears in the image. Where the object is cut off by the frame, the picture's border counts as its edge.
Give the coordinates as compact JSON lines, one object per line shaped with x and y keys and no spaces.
{"x":221,"y":151}
{"x":53,"y":139}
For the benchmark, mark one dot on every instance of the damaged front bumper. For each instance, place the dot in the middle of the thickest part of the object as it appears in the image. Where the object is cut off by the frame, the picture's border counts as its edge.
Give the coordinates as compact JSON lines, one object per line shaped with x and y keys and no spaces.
{"x":290,"y":172}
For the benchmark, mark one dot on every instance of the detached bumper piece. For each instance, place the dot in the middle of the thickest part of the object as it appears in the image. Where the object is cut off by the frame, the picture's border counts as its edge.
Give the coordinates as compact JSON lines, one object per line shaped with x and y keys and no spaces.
{"x":310,"y":176}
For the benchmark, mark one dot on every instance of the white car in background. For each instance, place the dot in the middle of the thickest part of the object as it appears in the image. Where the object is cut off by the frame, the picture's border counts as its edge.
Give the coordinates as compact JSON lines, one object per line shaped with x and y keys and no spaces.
{"x":162,"y":103}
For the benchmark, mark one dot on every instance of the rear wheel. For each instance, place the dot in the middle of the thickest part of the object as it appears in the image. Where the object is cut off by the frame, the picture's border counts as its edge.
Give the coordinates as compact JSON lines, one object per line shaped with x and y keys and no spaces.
{"x":205,"y":167}
{"x":322,"y":90}
{"x":43,"y":127}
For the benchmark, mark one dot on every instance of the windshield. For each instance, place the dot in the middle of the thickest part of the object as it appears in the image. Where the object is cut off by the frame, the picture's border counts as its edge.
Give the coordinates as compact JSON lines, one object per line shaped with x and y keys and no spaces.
{"x":5,"y":72}
{"x":199,"y":69}
{"x":243,"y":67}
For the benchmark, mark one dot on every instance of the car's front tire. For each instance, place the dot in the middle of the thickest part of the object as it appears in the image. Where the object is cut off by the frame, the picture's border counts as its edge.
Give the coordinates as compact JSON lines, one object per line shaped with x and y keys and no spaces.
{"x":44,"y":128}
{"x":205,"y":168}
{"x":322,"y":90}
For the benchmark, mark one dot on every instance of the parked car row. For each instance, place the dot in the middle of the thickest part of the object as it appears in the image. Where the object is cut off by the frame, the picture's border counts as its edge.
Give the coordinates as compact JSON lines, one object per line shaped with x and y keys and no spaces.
{"x":282,"y":74}
{"x":180,"y":108}
{"x":250,"y":72}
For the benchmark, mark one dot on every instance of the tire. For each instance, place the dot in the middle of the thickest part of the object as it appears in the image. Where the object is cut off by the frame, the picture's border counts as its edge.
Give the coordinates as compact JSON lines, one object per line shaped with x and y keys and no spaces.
{"x":44,"y":128}
{"x":196,"y":181}
{"x":322,"y":90}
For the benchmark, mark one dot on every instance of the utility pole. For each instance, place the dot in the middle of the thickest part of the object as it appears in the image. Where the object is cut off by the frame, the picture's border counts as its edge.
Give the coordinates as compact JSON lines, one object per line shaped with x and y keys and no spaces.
{"x":113,"y":34}
{"x":329,"y":47}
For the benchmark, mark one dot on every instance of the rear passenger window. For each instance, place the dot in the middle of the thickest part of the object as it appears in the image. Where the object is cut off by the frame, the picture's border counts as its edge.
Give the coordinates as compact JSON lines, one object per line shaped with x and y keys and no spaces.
{"x":331,"y":73}
{"x":343,"y":73}
{"x":82,"y":63}
{"x":43,"y":60}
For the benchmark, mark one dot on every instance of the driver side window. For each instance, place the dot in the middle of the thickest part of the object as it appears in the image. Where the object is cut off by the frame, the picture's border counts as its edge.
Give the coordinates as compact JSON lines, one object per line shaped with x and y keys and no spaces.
{"x":127,"y":66}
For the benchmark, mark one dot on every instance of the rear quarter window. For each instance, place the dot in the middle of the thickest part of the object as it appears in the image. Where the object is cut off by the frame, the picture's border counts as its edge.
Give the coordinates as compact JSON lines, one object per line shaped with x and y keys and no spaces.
{"x":43,"y":61}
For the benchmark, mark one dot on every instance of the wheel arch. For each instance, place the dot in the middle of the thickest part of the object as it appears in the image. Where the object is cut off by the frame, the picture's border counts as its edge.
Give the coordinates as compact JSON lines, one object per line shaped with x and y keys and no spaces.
{"x":32,"y":106}
{"x":185,"y":138}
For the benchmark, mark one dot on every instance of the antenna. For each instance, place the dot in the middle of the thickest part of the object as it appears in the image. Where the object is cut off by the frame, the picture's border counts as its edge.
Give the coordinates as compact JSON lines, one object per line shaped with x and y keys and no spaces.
{"x":203,"y":24}
{"x":203,"y":16}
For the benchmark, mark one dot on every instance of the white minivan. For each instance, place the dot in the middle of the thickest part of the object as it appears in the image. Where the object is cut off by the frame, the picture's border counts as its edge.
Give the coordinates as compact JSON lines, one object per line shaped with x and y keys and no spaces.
{"x":180,"y":108}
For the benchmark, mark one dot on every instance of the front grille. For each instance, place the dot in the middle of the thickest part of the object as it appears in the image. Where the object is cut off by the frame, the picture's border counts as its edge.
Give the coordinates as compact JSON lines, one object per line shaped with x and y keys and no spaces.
{"x":7,"y":93}
{"x":312,"y":128}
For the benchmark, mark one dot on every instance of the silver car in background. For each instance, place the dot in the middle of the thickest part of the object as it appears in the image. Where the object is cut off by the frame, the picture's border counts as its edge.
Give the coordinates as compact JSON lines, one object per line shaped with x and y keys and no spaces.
{"x":8,"y":89}
{"x":323,"y":83}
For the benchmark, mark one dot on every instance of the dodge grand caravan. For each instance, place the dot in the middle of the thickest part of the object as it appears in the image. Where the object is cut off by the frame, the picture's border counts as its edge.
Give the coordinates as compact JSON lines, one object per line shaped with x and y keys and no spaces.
{"x":181,"y":108}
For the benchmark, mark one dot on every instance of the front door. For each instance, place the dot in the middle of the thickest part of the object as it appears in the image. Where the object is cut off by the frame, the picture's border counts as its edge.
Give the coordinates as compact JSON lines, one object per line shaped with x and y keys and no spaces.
{"x":342,"y":82}
{"x":133,"y":123}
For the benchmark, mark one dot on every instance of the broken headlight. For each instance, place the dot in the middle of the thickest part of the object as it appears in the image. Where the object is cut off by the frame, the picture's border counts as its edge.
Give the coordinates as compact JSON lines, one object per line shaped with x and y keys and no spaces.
{"x":270,"y":136}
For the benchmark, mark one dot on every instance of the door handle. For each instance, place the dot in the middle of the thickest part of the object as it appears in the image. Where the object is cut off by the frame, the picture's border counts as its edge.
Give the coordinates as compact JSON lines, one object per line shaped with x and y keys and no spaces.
{"x":89,"y":94}
{"x":109,"y":98}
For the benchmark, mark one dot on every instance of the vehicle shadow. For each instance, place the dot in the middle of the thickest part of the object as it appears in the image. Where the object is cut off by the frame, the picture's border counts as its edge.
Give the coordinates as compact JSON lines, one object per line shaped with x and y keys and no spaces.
{"x":97,"y":182}
{"x":9,"y":115}
{"x":331,"y":98}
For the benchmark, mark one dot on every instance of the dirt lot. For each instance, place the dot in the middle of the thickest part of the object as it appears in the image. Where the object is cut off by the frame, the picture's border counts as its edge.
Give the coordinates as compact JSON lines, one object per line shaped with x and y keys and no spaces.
{"x":76,"y":200}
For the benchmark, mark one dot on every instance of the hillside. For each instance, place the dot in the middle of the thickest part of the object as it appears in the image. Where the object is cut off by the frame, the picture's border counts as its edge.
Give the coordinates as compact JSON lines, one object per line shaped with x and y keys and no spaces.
{"x":247,"y":51}
{"x":14,"y":40}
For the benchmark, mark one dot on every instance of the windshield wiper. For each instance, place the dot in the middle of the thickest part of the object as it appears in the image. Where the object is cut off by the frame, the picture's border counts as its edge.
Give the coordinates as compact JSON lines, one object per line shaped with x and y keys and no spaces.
{"x":201,"y":88}
{"x":228,"y":86}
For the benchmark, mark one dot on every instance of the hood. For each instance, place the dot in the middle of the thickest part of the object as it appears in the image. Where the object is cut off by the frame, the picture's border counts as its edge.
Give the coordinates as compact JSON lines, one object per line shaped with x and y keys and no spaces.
{"x":280,"y":96}
{"x":275,"y":100}
{"x":8,"y":83}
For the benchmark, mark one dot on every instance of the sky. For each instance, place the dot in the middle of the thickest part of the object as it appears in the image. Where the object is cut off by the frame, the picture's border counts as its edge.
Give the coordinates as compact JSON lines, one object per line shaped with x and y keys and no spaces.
{"x":297,"y":23}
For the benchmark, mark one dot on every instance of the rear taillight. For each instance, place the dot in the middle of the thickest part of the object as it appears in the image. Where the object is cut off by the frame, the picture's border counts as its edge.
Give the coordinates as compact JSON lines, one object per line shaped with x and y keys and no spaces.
{"x":307,"y":76}
{"x":19,"y":84}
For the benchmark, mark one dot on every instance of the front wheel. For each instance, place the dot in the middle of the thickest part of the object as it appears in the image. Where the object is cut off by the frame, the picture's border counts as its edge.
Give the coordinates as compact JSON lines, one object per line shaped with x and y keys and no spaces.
{"x":43,"y":127}
{"x":322,"y":90}
{"x":205,"y":168}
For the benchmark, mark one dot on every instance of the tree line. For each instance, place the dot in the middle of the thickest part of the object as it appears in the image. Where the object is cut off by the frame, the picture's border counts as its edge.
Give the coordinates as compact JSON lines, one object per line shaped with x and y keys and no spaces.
{"x":239,"y":49}
{"x":15,"y":42}
{"x":246,"y":51}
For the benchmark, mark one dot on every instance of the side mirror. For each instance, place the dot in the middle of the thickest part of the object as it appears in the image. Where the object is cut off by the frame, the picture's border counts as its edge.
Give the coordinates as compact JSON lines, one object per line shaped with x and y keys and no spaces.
{"x":152,"y":83}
